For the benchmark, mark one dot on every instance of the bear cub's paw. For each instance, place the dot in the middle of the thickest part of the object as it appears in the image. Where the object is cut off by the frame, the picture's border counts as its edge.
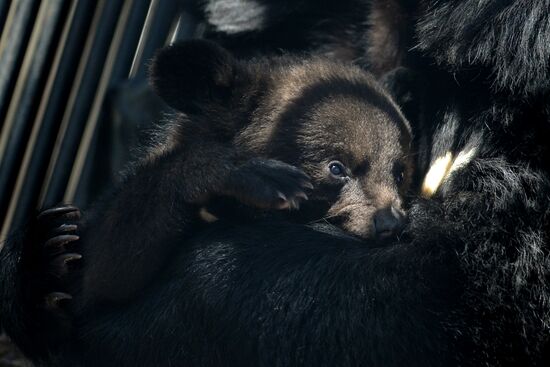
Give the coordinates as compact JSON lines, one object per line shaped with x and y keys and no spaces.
{"x":269,"y":184}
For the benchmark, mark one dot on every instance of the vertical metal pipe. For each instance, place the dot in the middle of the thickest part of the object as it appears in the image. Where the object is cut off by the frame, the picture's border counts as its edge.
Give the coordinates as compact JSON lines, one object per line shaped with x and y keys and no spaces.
{"x":80,"y":101}
{"x":4,"y":6}
{"x":12,"y":46}
{"x":154,"y":36}
{"x":19,"y":114}
{"x":46,"y":122}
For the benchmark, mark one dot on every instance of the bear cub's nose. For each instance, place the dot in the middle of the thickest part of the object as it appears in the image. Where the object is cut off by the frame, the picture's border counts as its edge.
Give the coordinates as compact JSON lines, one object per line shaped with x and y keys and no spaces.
{"x":388,"y":222}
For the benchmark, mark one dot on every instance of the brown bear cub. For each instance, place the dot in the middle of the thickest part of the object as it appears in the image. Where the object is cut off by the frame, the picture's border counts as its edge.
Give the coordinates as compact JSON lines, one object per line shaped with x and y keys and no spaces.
{"x":249,"y":125}
{"x":269,"y":133}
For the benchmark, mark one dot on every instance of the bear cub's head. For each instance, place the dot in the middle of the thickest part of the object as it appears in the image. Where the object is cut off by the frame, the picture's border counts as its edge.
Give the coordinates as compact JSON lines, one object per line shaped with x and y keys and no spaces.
{"x":332,"y":120}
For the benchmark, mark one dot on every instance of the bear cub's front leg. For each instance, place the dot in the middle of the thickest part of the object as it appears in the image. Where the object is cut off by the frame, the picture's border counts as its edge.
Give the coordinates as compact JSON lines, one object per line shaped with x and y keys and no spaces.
{"x":268,"y":184}
{"x":210,"y":170}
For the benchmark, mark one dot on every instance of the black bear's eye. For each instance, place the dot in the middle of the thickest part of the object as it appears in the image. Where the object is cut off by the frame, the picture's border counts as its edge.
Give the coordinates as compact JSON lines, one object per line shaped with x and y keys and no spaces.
{"x":399,"y":177}
{"x":399,"y":173}
{"x":337,"y":169}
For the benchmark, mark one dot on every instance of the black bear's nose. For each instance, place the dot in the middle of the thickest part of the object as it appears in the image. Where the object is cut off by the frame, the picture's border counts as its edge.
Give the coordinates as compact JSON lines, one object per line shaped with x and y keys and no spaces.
{"x":388,"y":221}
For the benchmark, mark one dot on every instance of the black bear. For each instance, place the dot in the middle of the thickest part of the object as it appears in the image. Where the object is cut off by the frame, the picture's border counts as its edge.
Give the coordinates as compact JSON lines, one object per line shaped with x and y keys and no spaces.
{"x":466,"y":284}
{"x":249,"y":130}
{"x":247,"y":126}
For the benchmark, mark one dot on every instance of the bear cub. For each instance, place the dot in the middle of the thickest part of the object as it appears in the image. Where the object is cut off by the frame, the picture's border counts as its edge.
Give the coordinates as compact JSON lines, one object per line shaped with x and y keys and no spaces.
{"x":266,"y":117}
{"x":269,"y":134}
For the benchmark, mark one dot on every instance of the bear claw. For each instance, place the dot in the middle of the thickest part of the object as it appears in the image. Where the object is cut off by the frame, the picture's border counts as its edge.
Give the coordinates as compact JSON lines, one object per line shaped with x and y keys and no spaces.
{"x":66,"y":228}
{"x":67,"y":258}
{"x":59,"y":211}
{"x":61,"y":240}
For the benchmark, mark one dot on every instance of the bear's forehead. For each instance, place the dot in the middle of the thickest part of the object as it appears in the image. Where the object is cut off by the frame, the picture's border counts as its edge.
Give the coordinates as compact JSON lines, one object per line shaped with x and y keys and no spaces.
{"x":306,"y":78}
{"x":354,"y":122}
{"x":340,"y":93}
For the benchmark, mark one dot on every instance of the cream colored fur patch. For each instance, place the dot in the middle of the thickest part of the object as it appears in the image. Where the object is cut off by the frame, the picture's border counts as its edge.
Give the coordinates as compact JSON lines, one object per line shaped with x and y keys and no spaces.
{"x":436,"y":174}
{"x":442,"y":168}
{"x":462,"y":159}
{"x":207,"y":216}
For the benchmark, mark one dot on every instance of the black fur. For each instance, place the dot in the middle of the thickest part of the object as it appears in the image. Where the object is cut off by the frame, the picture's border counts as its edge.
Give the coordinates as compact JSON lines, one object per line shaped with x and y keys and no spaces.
{"x":509,"y":38}
{"x":469,"y":282}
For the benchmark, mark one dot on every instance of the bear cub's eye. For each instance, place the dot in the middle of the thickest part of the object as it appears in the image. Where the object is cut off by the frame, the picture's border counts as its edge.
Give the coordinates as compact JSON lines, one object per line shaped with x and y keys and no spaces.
{"x":337,"y":169}
{"x":399,"y":173}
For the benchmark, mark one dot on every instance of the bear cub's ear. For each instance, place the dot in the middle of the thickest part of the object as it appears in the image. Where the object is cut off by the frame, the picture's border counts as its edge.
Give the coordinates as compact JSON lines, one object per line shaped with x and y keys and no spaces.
{"x":189,"y":74}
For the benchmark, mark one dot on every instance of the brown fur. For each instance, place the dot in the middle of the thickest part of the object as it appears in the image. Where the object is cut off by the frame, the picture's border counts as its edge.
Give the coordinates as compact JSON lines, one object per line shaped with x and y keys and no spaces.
{"x":308,"y":113}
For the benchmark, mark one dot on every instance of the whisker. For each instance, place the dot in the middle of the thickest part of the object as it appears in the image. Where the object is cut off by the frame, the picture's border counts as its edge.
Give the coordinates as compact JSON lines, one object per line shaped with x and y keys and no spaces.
{"x":323,"y":219}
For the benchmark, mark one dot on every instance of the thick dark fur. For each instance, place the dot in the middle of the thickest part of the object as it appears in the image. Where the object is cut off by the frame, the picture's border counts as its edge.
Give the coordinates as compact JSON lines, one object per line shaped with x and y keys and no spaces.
{"x":468,"y":285}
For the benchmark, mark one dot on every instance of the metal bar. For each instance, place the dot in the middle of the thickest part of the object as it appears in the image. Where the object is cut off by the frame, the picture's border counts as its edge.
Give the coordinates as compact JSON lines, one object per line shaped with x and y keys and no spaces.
{"x":166,"y":12}
{"x":151,"y":12}
{"x":117,"y":66}
{"x":17,"y":122}
{"x":14,"y":36}
{"x":4,"y":6}
{"x":80,"y":101}
{"x":188,"y":27}
{"x":46,"y":122}
{"x":174,"y":30}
